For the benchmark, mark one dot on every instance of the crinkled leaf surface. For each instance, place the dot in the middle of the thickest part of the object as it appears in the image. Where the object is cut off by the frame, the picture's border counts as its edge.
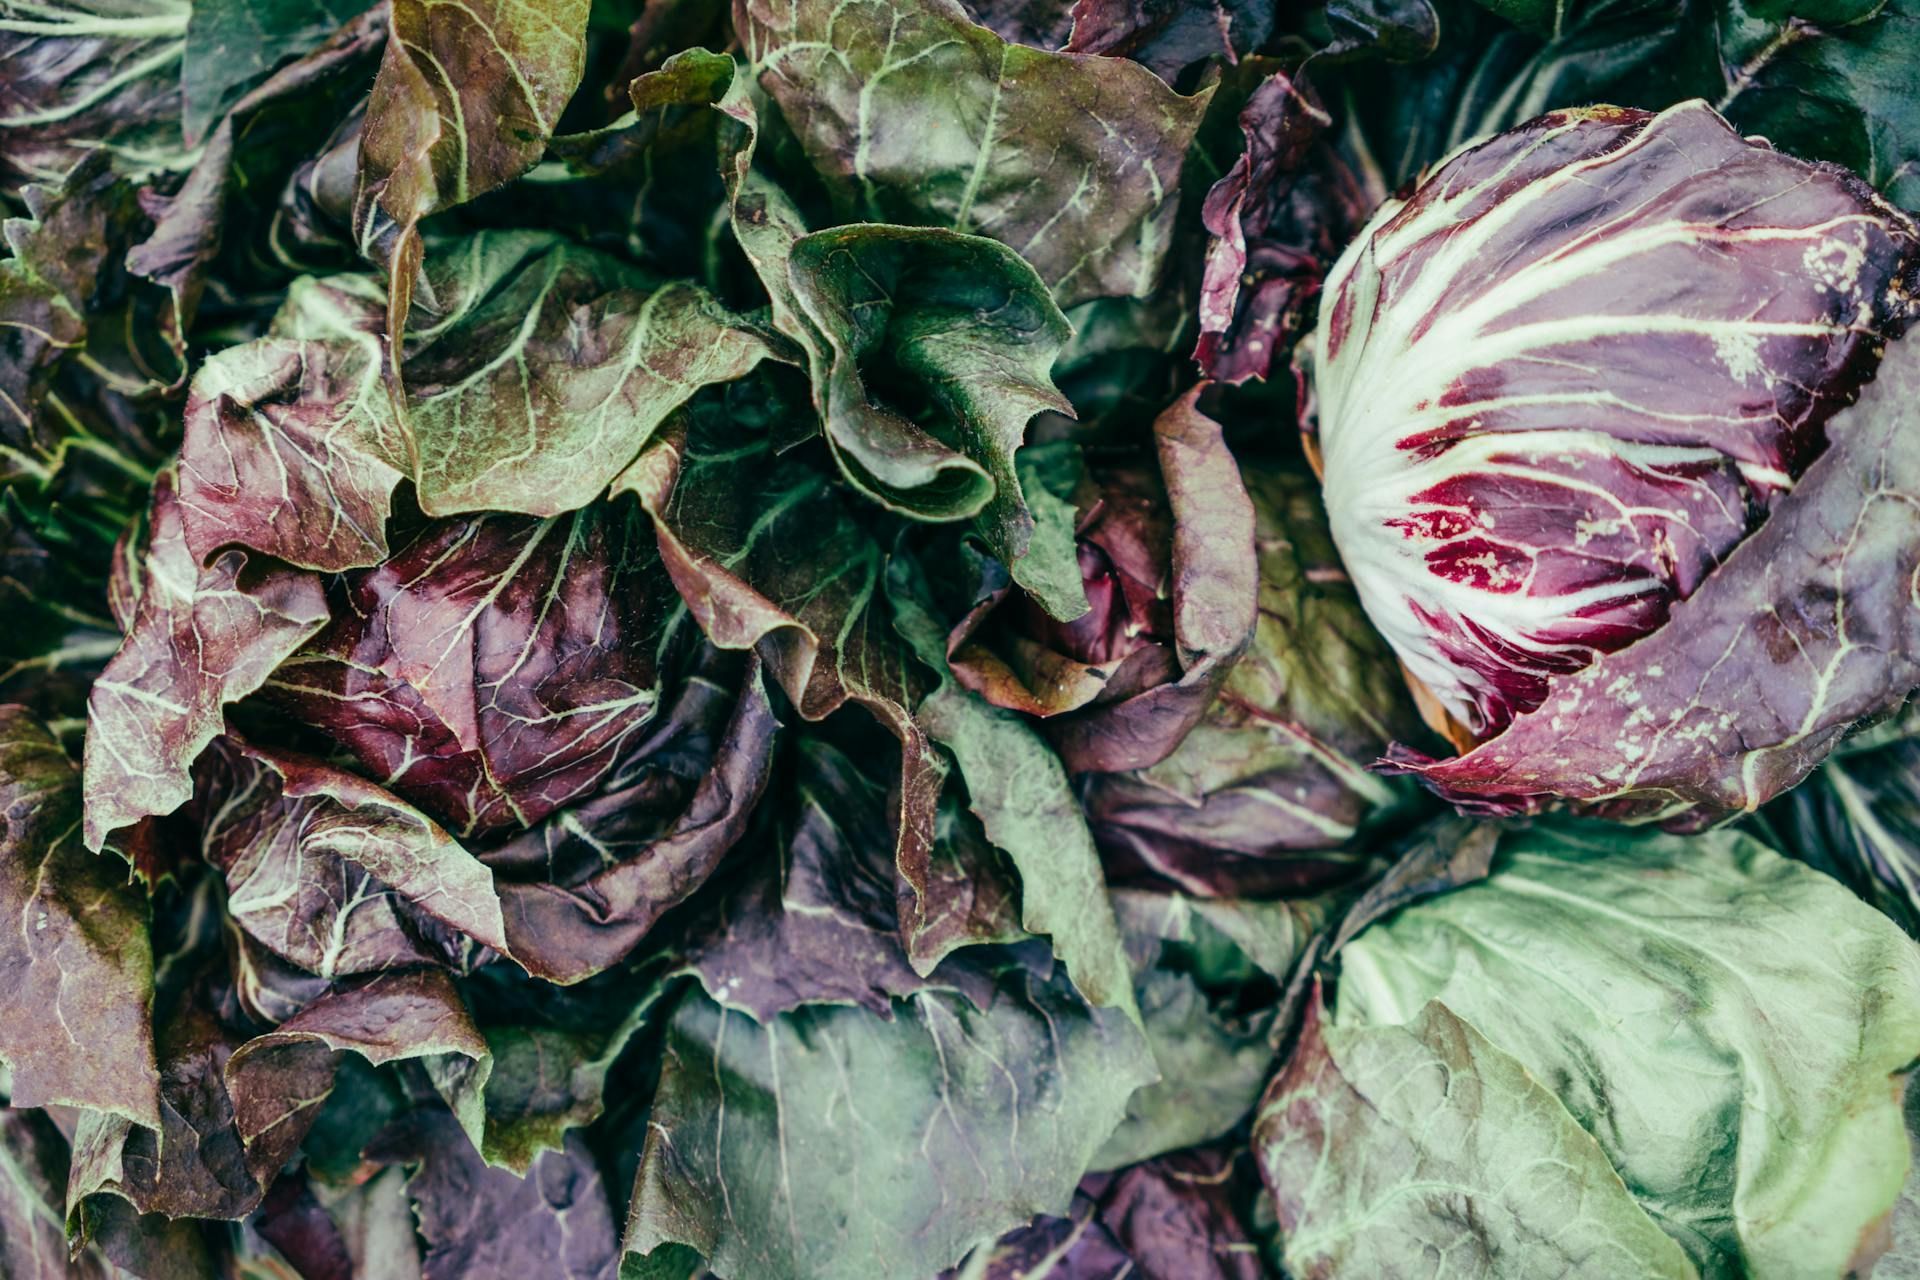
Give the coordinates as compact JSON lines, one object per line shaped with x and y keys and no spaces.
{"x":819,"y":922}
{"x":1266,"y":792}
{"x":492,"y":668}
{"x":234,"y":1110}
{"x":76,"y":968}
{"x":1166,"y":559}
{"x":539,"y":375}
{"x":333,"y":873}
{"x":832,"y":1142}
{"x":912,"y":114}
{"x":1421,"y":1149}
{"x":199,"y":636}
{"x":1727,"y":1024}
{"x":466,"y":98}
{"x":968,"y":332}
{"x":768,"y":555}
{"x":582,"y":888}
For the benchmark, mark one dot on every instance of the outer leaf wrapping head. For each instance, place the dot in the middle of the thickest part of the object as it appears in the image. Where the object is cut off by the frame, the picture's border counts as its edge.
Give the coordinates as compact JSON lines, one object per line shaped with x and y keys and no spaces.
{"x":1578,"y":364}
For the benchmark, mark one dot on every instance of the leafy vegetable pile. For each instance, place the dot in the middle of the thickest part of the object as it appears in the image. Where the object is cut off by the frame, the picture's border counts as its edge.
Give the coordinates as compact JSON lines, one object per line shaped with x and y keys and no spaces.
{"x":905,"y":639}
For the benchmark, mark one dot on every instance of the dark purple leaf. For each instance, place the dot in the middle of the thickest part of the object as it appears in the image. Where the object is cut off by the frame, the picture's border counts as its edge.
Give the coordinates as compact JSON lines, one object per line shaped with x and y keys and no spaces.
{"x":1269,"y":790}
{"x":76,"y":966}
{"x":1277,"y":220}
{"x":581,"y":889}
{"x":489,"y":1224}
{"x":818,"y":923}
{"x":492,"y":669}
{"x":90,"y":76}
{"x":234,"y":1110}
{"x":1175,"y":1218}
{"x":767,"y":555}
{"x":1806,"y":628}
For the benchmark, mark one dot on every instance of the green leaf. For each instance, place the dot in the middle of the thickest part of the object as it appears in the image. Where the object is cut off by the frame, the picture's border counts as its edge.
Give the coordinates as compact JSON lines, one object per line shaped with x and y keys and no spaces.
{"x":1840,"y":91}
{"x":230,"y":43}
{"x":1727,"y":1024}
{"x":832,"y":1143}
{"x":970,"y":335}
{"x":549,"y":1080}
{"x":912,"y":114}
{"x":1423,"y":1150}
{"x":1018,"y":789}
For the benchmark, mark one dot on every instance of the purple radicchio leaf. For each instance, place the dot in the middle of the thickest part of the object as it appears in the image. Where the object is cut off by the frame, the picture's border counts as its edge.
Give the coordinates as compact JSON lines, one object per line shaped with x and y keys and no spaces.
{"x":1269,"y":791}
{"x":1180,"y":1217}
{"x":1276,"y":220}
{"x":819,"y":922}
{"x":332,"y":873}
{"x":581,"y":889}
{"x":1600,"y":566}
{"x":76,"y":965}
{"x":768,"y":556}
{"x":198,"y":636}
{"x":114,"y":1245}
{"x":85,"y":77}
{"x":255,"y":145}
{"x":1170,"y":574}
{"x":481,"y":1223}
{"x":492,"y":669}
{"x":234,"y":1110}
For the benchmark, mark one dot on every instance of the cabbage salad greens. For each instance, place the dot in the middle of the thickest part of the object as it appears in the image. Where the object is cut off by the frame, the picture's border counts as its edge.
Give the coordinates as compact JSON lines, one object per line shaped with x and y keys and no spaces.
{"x":959,"y":639}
